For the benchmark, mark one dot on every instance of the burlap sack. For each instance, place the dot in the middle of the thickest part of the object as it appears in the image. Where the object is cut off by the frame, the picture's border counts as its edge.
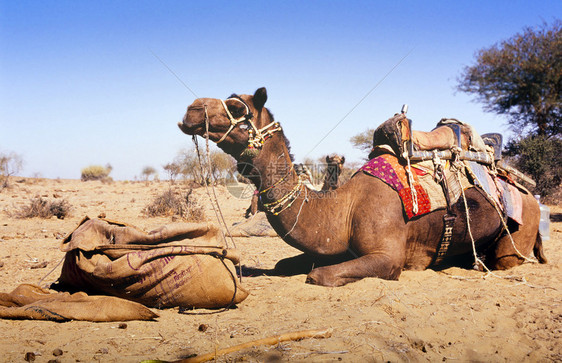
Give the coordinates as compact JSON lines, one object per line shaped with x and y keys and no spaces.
{"x":172,"y":266}
{"x":32,"y":302}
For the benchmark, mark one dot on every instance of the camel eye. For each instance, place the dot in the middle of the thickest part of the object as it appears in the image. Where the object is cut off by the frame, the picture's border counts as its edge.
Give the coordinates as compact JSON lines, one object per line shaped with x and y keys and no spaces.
{"x":237,"y":110}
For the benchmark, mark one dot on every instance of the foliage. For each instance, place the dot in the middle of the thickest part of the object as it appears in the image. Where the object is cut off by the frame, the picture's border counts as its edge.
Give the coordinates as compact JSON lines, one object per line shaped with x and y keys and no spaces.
{"x":147,"y":171}
{"x":521,"y":78}
{"x":43,"y":208}
{"x":172,"y":203}
{"x":186,"y":163}
{"x":541,"y":158}
{"x":96,"y":172}
{"x":10,"y":164}
{"x":363,"y":141}
{"x":173,"y":169}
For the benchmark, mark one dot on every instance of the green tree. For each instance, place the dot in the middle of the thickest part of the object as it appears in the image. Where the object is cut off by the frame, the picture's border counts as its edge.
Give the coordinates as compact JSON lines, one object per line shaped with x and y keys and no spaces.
{"x":521,"y":78}
{"x":540,"y":157}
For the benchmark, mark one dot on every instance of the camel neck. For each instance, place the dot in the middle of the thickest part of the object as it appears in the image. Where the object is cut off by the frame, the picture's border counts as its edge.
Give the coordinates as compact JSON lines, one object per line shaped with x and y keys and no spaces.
{"x":278,"y":178}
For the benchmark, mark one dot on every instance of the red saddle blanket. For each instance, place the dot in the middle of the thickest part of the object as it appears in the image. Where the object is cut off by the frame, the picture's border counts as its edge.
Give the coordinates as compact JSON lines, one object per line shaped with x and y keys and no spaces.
{"x":429,"y":194}
{"x":387,"y":168}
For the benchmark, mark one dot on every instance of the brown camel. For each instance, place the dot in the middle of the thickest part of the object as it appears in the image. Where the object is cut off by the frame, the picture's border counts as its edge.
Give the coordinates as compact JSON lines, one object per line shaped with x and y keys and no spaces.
{"x":364,"y":217}
{"x":334,"y":167}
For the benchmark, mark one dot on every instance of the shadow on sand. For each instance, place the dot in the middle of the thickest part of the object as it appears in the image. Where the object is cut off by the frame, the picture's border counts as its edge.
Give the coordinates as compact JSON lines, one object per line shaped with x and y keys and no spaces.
{"x":297,"y":265}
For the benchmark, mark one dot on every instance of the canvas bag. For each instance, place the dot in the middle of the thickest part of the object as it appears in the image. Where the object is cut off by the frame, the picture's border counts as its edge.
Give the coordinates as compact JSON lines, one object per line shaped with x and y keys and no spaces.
{"x":33,"y":302}
{"x":175,"y":265}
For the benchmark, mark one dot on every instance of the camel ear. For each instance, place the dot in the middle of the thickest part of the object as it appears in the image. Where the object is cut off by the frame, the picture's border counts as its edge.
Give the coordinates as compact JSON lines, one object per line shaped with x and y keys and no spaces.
{"x":259,"y":98}
{"x":327,"y":159}
{"x":343,"y":160}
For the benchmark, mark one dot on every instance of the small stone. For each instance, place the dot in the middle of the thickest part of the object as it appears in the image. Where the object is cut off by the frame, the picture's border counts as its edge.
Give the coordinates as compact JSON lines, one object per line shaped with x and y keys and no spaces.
{"x":122,"y":326}
{"x":39,"y":265}
{"x":57,"y":352}
{"x":203,"y":328}
{"x":29,"y":357}
{"x":103,"y":351}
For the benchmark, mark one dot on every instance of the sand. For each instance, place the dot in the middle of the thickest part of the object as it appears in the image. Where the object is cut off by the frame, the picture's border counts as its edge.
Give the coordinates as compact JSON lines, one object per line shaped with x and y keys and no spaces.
{"x":454,"y":314}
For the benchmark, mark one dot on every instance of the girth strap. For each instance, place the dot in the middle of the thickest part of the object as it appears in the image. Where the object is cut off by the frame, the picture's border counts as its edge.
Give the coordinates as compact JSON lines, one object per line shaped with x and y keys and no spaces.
{"x":449,"y":217}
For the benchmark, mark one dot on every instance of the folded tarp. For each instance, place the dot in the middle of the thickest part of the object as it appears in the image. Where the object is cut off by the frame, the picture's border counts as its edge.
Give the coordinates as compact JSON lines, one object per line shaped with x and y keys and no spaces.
{"x":32,"y":302}
{"x":178,"y":265}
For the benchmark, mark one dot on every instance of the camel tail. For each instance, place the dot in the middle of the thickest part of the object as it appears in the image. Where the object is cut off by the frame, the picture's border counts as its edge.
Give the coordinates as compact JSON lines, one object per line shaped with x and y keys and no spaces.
{"x":538,"y":250}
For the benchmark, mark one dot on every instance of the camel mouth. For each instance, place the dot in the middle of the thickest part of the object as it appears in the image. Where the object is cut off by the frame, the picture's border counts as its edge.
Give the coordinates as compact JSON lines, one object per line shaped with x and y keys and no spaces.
{"x":190,"y":130}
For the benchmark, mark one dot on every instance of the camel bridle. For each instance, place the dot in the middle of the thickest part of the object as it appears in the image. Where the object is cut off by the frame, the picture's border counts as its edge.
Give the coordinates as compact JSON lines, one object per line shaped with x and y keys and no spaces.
{"x":256,"y":136}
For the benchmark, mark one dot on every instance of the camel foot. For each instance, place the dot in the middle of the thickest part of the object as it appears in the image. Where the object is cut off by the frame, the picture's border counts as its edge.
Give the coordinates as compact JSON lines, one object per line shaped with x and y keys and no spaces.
{"x":375,"y":265}
{"x":323,"y":276}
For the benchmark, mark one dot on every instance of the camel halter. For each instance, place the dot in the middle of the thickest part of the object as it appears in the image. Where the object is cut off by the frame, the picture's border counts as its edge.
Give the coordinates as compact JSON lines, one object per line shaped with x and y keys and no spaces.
{"x":256,"y":137}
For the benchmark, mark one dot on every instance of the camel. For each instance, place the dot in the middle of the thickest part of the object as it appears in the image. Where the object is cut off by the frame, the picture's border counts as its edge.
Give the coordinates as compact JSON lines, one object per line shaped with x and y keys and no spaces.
{"x":364,"y":217}
{"x":334,"y":167}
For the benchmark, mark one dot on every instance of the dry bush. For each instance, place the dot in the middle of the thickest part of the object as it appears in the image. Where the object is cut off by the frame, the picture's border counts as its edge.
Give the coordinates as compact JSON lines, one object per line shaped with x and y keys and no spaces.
{"x":96,"y":172}
{"x":43,"y":208}
{"x":171,"y":203}
{"x":10,"y":164}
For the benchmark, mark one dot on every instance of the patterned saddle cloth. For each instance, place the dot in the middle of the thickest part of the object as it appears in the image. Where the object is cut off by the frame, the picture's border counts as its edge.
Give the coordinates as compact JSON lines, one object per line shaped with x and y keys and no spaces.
{"x":429,"y":193}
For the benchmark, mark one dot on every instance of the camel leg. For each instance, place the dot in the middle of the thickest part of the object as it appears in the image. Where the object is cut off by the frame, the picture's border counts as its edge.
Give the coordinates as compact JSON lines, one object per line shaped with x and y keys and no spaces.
{"x":525,"y":238}
{"x":372,"y":265}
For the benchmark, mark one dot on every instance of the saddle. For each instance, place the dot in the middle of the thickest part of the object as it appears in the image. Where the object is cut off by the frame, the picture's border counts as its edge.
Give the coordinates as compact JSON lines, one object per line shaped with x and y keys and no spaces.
{"x":397,"y":133}
{"x":451,"y":140}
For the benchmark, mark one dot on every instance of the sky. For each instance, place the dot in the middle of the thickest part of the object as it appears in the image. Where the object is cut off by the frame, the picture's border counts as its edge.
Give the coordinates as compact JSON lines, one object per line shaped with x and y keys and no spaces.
{"x":96,"y":82}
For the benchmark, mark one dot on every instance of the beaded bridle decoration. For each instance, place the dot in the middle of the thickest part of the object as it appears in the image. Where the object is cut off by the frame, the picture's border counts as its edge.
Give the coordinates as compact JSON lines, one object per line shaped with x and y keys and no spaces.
{"x":256,"y":139}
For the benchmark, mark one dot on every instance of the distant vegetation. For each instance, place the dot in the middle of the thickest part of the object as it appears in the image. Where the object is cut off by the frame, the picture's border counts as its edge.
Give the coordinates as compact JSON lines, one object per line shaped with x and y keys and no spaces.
{"x":10,"y":164}
{"x":186,"y":165}
{"x":96,"y":172}
{"x":43,"y":208}
{"x":174,"y":203}
{"x":149,"y":171}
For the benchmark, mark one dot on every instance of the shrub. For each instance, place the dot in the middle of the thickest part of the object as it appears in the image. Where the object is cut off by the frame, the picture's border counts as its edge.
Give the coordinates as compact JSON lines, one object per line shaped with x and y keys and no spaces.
{"x":43,"y":208}
{"x":147,"y":171}
{"x":172,"y":203}
{"x":540,"y":157}
{"x":10,"y":164}
{"x":96,"y":172}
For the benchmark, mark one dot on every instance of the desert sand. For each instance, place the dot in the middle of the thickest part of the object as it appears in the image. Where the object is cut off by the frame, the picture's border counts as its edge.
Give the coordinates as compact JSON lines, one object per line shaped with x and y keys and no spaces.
{"x":449,"y":315}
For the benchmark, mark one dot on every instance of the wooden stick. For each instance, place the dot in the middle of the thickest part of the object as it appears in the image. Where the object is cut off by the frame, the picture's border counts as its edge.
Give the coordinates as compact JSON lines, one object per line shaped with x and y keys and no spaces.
{"x":264,"y":341}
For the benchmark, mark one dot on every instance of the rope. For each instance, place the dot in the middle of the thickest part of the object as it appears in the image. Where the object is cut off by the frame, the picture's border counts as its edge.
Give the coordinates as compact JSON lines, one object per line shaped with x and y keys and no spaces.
{"x":53,"y":269}
{"x":504,"y":223}
{"x":305,"y":199}
{"x":476,"y":259}
{"x":214,"y":201}
{"x":413,"y":190}
{"x":183,"y":310}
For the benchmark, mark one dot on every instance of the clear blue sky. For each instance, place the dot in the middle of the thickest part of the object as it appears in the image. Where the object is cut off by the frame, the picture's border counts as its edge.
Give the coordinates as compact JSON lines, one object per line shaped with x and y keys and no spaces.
{"x":80,"y":83}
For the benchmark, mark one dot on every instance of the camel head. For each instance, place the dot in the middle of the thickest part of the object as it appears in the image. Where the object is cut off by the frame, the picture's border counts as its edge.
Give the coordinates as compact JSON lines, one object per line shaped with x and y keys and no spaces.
{"x":337,"y":161}
{"x":237,"y":124}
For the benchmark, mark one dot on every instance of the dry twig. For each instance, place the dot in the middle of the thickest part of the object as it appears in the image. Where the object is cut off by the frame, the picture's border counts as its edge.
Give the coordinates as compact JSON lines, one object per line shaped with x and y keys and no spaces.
{"x":264,"y":341}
